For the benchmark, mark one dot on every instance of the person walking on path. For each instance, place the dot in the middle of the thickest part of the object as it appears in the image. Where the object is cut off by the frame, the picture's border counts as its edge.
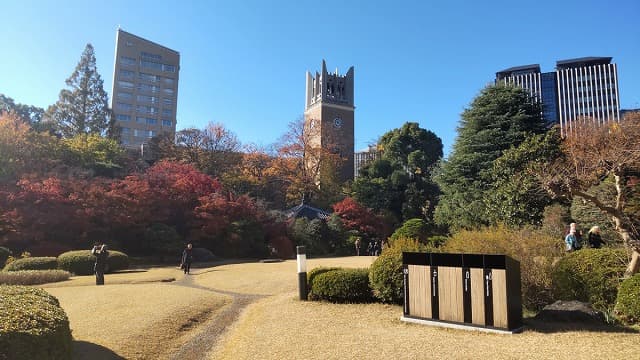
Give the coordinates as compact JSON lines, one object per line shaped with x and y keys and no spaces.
{"x":357,"y":244}
{"x":187,"y":257}
{"x":595,"y":238}
{"x":101,"y":254}
{"x":570,"y":241}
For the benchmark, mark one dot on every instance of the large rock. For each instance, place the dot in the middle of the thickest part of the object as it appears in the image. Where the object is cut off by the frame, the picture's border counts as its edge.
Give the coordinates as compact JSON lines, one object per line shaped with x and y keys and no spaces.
{"x":571,"y":312}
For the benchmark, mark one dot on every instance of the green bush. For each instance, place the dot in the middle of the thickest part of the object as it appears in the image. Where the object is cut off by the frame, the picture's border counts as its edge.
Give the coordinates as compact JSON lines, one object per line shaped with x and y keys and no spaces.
{"x":590,"y":275}
{"x":32,"y":325}
{"x":32,"y":263}
{"x":536,"y":251}
{"x":80,"y":262}
{"x":343,"y":286}
{"x":311,"y":275}
{"x":628,"y":300}
{"x":385,"y":275}
{"x":412,"y":229}
{"x":4,"y":255}
{"x":32,"y":277}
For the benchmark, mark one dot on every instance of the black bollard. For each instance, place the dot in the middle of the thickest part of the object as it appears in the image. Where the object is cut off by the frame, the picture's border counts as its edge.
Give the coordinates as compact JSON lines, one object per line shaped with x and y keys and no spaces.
{"x":302,"y":272}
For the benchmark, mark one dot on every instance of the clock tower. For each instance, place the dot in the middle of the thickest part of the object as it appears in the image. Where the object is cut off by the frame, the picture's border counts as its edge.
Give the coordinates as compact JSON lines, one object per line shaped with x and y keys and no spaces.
{"x":329,"y":116}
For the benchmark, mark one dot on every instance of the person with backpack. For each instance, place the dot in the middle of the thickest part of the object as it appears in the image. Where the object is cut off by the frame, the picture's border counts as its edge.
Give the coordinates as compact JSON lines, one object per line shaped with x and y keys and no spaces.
{"x":571,"y":241}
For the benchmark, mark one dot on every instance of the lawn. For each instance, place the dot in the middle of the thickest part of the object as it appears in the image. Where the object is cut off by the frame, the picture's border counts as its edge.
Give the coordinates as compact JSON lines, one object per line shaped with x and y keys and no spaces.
{"x":138,"y":316}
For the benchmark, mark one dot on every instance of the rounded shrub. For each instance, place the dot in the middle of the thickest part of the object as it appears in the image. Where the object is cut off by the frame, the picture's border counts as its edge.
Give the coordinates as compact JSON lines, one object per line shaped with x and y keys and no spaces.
{"x":413,"y":229}
{"x":32,"y":263}
{"x":4,"y":255}
{"x":80,"y":262}
{"x":590,"y":275}
{"x":385,"y":275}
{"x":343,"y":286}
{"x":202,"y":255}
{"x":311,"y":275}
{"x":32,"y":325}
{"x":628,"y":302}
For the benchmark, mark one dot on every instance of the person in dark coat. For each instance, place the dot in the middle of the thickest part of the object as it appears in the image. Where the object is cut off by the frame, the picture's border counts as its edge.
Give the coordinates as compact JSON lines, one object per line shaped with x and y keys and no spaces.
{"x":101,"y":254}
{"x":595,"y":239}
{"x":187,"y":258}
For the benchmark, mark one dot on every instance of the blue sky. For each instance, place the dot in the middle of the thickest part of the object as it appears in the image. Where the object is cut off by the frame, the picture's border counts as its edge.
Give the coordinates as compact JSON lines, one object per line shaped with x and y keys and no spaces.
{"x":243,"y":63}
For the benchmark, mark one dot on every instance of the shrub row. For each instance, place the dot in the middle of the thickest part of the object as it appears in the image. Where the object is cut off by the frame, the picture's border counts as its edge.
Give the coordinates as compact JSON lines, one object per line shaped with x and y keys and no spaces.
{"x":628,"y":301}
{"x":32,"y":325}
{"x":342,"y":286}
{"x":79,"y":262}
{"x":32,"y":277}
{"x":33,"y":263}
{"x":590,"y":275}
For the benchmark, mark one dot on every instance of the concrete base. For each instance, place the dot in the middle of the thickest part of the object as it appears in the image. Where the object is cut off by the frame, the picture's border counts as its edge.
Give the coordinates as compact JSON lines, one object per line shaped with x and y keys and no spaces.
{"x":460,"y":326}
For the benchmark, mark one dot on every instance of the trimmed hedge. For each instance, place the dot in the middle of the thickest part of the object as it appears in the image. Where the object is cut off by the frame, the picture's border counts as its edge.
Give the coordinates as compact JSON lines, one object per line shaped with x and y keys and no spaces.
{"x":385,"y":275}
{"x":343,"y":286}
{"x":4,"y":255}
{"x":80,"y":262}
{"x":590,"y":275}
{"x":311,"y":275}
{"x":32,"y":325}
{"x":33,"y":277}
{"x":201,"y":255}
{"x":628,"y":301}
{"x":32,"y":263}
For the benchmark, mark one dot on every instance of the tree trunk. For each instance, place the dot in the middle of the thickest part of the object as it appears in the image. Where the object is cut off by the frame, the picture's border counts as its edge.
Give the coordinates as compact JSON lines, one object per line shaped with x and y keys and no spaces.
{"x":632,"y":268}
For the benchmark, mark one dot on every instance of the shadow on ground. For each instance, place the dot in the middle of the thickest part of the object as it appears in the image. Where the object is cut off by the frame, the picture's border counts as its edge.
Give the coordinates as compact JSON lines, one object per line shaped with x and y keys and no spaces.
{"x":85,"y":350}
{"x":549,"y":327}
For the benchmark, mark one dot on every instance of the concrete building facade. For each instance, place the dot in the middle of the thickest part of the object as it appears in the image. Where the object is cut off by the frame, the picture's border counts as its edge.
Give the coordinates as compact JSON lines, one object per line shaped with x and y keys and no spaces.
{"x":329,"y":115}
{"x":145,"y":89}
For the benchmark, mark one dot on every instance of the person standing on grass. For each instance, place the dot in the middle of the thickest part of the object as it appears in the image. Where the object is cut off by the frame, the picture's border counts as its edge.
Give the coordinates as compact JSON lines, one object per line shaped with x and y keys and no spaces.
{"x":187,"y":257}
{"x":595,"y":238}
{"x":357,"y":244}
{"x":101,"y":254}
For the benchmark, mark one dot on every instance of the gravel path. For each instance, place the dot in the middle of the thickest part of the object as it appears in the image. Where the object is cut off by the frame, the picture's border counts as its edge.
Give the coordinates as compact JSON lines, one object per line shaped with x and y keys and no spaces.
{"x":207,"y":334}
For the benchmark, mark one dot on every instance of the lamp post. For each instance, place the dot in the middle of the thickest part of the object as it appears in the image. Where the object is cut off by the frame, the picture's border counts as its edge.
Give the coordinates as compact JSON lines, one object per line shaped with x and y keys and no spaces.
{"x":302,"y":272}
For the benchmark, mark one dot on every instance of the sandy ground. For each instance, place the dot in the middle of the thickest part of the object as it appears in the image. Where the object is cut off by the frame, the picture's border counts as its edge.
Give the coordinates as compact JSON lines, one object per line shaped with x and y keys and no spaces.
{"x":251,"y":311}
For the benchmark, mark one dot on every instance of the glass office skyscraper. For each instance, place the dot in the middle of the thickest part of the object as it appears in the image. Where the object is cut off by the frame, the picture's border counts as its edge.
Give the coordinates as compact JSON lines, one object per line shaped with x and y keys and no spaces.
{"x":579,"y":89}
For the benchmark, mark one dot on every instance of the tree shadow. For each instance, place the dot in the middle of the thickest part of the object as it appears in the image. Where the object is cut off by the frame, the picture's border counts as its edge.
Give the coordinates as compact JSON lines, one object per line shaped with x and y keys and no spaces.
{"x":550,"y":327}
{"x":85,"y":350}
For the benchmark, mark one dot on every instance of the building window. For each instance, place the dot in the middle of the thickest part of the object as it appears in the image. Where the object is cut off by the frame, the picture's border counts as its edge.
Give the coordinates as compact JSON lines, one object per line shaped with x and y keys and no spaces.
{"x":168,"y":81}
{"x":125,"y":131}
{"x":147,"y":98}
{"x":151,"y":134}
{"x":123,"y":117}
{"x":124,"y":60}
{"x":150,"y":55}
{"x":146,"y":120}
{"x":168,"y":68}
{"x":151,"y":65}
{"x":125,"y":85}
{"x":137,"y":133}
{"x":167,"y":91}
{"x":167,"y":112}
{"x":125,"y":95}
{"x":167,"y":101}
{"x":126,"y":74}
{"x":148,"y":77}
{"x":167,"y":122}
{"x":148,"y":88}
{"x":124,"y":106}
{"x":146,"y":109}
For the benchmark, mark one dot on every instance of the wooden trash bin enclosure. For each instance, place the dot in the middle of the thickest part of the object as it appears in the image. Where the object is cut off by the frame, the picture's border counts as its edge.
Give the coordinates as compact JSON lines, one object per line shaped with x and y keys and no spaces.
{"x":462,"y":290}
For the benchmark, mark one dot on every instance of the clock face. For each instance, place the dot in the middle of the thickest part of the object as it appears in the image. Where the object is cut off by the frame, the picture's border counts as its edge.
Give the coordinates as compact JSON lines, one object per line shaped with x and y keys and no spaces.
{"x":337,"y":122}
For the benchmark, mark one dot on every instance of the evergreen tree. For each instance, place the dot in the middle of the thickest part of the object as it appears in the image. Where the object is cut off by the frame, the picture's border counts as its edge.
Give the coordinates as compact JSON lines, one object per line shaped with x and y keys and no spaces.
{"x":400,"y":182}
{"x":499,"y":118}
{"x":82,"y":108}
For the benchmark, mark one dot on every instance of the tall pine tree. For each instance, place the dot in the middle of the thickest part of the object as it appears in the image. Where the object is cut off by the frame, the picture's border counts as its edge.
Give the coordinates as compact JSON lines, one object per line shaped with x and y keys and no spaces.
{"x":499,"y":118}
{"x":82,"y":108}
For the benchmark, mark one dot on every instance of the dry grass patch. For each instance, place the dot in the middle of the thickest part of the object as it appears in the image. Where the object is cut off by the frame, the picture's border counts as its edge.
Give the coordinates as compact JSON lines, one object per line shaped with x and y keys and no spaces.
{"x":282,"y":327}
{"x":268,"y":278}
{"x":132,"y":276}
{"x":143,"y":321}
